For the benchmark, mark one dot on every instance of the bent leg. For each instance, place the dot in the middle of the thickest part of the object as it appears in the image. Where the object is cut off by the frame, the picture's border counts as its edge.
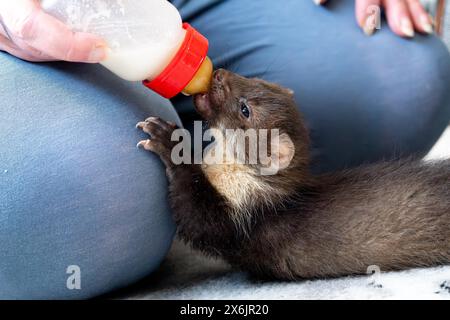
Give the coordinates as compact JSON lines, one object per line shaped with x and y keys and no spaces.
{"x":364,"y":98}
{"x":74,"y":189}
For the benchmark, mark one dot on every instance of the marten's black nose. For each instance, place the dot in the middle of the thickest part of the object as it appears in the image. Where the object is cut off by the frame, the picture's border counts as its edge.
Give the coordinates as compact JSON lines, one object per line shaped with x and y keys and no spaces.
{"x":220,"y":75}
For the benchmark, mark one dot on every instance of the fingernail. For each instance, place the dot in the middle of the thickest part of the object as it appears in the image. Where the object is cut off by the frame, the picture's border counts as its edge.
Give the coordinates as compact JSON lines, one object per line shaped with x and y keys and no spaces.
{"x":369,"y":27}
{"x":99,"y":53}
{"x":426,"y":25}
{"x":407,"y":28}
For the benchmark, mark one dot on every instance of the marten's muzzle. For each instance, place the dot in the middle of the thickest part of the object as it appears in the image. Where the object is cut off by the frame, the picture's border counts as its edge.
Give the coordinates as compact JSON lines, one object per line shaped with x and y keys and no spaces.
{"x":207,"y":104}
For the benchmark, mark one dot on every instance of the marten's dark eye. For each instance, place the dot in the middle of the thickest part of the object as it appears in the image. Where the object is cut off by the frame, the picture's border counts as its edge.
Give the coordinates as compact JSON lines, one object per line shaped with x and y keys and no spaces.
{"x":245,"y":109}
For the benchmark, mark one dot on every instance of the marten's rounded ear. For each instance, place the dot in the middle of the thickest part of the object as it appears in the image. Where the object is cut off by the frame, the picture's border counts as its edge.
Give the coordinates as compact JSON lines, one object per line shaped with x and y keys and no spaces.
{"x":286,"y":150}
{"x":283,"y":151}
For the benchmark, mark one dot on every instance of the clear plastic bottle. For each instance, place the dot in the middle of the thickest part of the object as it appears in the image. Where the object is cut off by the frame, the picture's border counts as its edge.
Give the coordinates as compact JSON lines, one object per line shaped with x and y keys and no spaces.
{"x":148,"y":41}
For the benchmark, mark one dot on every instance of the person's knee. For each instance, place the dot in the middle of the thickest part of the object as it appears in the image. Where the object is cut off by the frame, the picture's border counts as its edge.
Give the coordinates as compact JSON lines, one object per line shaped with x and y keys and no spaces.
{"x":431,"y":70}
{"x":419,"y":94}
{"x":385,"y":101}
{"x":75,"y":191}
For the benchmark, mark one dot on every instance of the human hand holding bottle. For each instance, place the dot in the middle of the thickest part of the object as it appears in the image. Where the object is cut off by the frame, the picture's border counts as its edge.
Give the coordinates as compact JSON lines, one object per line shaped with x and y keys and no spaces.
{"x":137,"y":40}
{"x":29,"y":33}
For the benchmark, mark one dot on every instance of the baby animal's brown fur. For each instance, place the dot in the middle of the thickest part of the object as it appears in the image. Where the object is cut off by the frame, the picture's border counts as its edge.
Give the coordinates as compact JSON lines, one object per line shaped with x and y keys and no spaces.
{"x":293,"y":225}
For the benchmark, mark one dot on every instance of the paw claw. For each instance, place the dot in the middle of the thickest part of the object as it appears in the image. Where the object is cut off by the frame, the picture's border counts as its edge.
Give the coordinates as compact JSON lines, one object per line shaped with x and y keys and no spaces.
{"x":140,"y":125}
{"x":142,"y":144}
{"x":160,"y":132}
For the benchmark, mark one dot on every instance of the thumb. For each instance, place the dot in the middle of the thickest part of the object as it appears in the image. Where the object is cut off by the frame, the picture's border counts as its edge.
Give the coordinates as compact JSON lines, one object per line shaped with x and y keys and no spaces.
{"x":48,"y":35}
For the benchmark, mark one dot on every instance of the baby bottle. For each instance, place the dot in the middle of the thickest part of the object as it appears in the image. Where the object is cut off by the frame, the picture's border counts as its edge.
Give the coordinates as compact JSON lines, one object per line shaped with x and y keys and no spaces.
{"x":148,"y":42}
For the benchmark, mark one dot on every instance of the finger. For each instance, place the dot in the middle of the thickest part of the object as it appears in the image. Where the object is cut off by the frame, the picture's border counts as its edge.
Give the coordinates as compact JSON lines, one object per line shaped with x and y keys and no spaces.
{"x":319,"y":2}
{"x":399,"y":20}
{"x":46,"y":34}
{"x":25,"y":50}
{"x":8,"y":46}
{"x":368,"y":15}
{"x":420,"y":17}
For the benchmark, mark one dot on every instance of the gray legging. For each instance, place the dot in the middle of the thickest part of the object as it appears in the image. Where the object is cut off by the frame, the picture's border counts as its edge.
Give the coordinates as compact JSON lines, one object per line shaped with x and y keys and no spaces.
{"x":74,"y":190}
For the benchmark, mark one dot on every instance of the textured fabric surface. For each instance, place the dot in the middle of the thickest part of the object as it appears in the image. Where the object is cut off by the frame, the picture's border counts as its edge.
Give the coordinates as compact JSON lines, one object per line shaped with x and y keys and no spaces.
{"x":74,"y":189}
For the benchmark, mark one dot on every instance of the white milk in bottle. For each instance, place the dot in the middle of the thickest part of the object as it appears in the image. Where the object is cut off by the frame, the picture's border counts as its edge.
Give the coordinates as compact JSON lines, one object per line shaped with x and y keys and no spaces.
{"x":143,"y":35}
{"x":147,"y":40}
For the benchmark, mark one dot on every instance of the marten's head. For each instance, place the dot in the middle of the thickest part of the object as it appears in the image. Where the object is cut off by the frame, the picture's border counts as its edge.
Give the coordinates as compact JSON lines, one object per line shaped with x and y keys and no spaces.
{"x":235,"y":103}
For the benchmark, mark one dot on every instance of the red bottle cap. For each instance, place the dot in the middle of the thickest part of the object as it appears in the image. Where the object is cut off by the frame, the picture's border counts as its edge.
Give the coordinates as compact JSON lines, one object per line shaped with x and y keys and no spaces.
{"x":183,"y":67}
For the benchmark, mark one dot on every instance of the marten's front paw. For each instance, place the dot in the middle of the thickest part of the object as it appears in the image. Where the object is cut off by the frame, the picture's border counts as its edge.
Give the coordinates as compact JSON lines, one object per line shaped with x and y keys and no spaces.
{"x":160,"y":132}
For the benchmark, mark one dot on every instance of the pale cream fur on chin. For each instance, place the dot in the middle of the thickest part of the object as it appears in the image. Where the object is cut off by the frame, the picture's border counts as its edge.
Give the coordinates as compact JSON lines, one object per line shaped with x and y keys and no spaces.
{"x":243,"y":188}
{"x":237,"y":182}
{"x":240,"y":185}
{"x":234,"y":181}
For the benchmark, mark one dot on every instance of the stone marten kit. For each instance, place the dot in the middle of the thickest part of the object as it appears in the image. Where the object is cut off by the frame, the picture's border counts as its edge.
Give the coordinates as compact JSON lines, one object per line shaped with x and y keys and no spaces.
{"x":292,"y":224}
